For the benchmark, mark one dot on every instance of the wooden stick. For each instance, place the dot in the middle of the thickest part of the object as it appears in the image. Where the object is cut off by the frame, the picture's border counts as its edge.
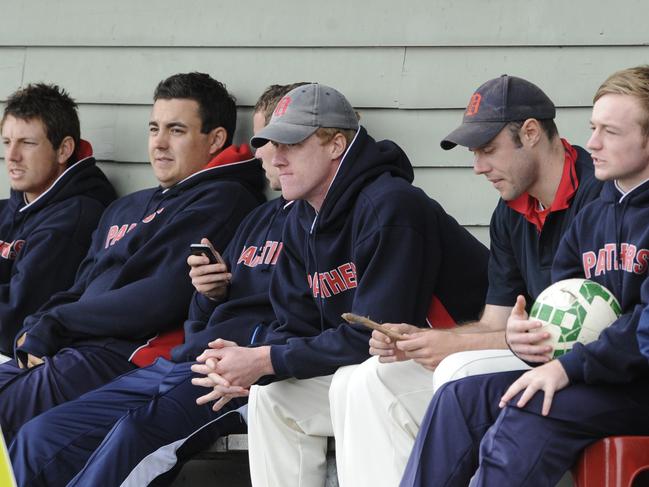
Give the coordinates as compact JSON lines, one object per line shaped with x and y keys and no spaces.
{"x":362,"y":320}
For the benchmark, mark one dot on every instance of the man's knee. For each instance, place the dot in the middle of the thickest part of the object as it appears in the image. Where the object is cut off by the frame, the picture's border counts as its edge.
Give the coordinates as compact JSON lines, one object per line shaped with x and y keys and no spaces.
{"x":475,"y":362}
{"x":340,"y":383}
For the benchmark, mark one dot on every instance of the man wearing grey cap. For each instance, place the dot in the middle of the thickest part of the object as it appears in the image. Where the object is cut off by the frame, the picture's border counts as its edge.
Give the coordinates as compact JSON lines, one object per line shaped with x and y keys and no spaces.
{"x":543,"y":182}
{"x":360,"y":239}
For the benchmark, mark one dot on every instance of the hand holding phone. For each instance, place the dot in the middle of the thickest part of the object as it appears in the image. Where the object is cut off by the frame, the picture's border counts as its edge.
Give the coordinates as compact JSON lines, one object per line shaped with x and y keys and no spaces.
{"x":206,"y":279}
{"x":362,"y":320}
{"x":207,"y":251}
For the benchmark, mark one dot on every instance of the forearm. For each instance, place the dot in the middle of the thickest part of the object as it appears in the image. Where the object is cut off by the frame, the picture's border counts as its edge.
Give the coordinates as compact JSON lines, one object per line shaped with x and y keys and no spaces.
{"x":479,"y":327}
{"x":480,"y":339}
{"x":493,"y":320}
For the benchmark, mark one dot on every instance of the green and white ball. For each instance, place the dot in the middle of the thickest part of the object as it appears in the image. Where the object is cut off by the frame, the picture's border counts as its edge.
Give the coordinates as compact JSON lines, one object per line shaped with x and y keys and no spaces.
{"x":574,"y":310}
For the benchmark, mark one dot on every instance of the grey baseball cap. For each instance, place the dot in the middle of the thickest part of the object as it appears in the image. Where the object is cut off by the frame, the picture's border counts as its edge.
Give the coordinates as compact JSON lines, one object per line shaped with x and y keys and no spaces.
{"x":496,"y":103}
{"x":304,"y":110}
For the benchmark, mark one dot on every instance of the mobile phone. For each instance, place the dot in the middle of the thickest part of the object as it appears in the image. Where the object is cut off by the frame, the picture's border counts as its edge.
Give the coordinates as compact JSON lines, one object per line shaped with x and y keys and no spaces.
{"x":362,"y":320}
{"x":202,"y":249}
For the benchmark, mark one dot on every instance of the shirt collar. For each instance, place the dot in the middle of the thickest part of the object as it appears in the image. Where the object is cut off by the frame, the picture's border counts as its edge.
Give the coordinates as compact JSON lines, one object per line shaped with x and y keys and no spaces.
{"x":529,"y":206}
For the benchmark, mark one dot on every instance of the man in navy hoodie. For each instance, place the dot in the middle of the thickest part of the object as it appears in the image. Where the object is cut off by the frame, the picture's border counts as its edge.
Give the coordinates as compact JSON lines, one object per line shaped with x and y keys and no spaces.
{"x":529,"y":428}
{"x":143,"y":424}
{"x":361,"y":239}
{"x":57,"y":197}
{"x":133,"y":283}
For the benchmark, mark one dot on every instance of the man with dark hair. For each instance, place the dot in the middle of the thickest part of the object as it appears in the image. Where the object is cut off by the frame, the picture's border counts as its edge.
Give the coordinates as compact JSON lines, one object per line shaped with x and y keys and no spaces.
{"x":57,"y":197}
{"x":543,"y":182}
{"x":145,"y":423}
{"x":514,"y":428}
{"x":216,"y":107}
{"x":52,"y":105}
{"x":133,"y":283}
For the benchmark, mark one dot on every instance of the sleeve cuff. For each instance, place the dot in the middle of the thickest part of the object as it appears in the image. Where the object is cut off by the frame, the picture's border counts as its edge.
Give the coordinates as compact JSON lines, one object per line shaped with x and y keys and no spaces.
{"x":277,"y":358}
{"x":205,"y":304}
{"x":33,"y":345}
{"x":572,"y":364}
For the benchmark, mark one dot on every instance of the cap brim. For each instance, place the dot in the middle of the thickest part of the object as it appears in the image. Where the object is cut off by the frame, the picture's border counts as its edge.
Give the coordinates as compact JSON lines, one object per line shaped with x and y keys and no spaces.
{"x":282,"y":133}
{"x":472,"y":134}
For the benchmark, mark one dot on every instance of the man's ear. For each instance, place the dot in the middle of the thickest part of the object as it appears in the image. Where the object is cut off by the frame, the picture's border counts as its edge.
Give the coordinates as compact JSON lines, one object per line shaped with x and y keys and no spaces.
{"x":65,"y":150}
{"x":218,"y":136}
{"x":338,"y":145}
{"x":531,"y":131}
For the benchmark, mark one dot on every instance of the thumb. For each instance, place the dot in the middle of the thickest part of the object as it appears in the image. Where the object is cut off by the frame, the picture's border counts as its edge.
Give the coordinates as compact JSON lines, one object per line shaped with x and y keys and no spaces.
{"x":519,"y":308}
{"x":219,"y":259}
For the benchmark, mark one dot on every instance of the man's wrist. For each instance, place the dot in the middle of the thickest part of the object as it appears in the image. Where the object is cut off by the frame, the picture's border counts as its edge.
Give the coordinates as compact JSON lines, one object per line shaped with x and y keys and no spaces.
{"x":264,"y":362}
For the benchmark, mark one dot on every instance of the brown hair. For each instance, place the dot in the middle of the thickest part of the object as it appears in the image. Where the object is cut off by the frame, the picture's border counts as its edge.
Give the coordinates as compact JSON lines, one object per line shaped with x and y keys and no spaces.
{"x":52,"y":105}
{"x":271,"y":96}
{"x":547,"y":125}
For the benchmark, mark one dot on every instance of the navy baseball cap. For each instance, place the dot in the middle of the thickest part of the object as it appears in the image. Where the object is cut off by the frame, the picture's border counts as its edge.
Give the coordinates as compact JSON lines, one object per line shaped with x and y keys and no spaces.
{"x":304,"y":110}
{"x":493,"y":105}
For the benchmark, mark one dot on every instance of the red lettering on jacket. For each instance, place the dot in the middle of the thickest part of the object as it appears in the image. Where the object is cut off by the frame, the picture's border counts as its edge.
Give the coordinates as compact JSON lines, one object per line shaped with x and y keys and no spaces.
{"x":273,"y":260}
{"x":149,"y":218}
{"x":335,"y":281}
{"x":9,"y":250}
{"x":606,"y":259}
{"x":117,"y":232}
{"x":588,"y":261}
{"x":643,"y":258}
{"x":252,"y":256}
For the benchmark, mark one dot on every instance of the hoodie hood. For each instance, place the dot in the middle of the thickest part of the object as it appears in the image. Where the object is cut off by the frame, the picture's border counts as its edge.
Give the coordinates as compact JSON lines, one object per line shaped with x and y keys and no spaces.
{"x":82,"y":178}
{"x":231,"y":154}
{"x":638,"y":196}
{"x":363,"y":162}
{"x":235,"y":163}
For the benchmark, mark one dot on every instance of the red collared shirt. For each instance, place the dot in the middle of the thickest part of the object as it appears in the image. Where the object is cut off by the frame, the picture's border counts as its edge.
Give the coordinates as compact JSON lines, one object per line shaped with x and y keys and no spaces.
{"x":530,"y":207}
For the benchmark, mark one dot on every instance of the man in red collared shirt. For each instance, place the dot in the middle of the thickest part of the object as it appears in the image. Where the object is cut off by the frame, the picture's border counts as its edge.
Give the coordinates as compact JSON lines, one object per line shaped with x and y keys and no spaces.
{"x":543,"y":182}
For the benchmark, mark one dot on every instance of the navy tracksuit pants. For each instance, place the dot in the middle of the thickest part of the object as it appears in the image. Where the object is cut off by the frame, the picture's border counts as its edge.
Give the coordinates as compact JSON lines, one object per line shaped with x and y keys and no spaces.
{"x":71,"y":372}
{"x":132,"y":431}
{"x":465,"y":433}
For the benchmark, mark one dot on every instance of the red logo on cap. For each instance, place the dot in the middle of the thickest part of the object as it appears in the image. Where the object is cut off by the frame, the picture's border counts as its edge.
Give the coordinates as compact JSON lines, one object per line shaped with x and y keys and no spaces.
{"x":281,"y":107}
{"x":474,"y":104}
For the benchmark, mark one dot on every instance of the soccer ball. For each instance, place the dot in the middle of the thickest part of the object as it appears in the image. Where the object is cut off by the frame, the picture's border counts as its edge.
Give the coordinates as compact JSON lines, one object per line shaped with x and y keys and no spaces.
{"x":574,"y":310}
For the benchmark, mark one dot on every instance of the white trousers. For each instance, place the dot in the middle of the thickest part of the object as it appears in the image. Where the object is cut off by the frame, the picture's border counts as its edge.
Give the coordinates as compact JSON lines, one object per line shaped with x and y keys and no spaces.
{"x":376,"y":411}
{"x":288,"y":426}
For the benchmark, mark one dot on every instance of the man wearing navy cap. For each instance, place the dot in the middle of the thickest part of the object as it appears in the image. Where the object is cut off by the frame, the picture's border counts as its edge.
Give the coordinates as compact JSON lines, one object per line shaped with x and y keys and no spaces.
{"x":528,"y":428}
{"x":543,"y":182}
{"x":360,"y":239}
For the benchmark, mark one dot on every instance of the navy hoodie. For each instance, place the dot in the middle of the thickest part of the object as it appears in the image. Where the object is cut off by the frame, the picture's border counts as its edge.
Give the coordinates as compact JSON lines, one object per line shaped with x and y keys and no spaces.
{"x":134,"y":281}
{"x":378,"y":247}
{"x":43,"y":242}
{"x":247,"y":311}
{"x":609,"y":243}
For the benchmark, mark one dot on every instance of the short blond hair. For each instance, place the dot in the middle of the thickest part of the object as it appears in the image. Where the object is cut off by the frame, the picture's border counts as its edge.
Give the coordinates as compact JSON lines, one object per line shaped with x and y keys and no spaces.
{"x":326,"y":134}
{"x":633,"y":82}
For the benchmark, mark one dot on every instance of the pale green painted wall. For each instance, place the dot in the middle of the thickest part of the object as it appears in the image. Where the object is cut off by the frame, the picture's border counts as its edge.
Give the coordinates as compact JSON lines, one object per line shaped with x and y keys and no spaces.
{"x":409,"y":68}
